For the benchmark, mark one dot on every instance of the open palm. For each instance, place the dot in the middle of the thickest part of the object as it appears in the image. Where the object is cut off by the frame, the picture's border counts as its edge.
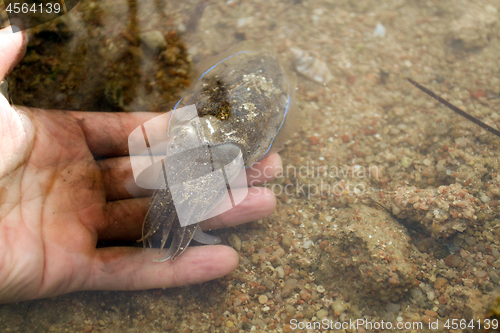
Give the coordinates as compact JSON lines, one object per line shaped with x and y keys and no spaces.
{"x":65,"y":183}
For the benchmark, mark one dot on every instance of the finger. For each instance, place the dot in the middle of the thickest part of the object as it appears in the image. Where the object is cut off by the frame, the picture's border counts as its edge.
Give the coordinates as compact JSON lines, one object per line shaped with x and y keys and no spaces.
{"x":119,"y":181}
{"x":133,"y":268}
{"x":123,"y":219}
{"x":266,"y":170}
{"x":106,"y":133}
{"x":259,"y":203}
{"x":12,"y":48}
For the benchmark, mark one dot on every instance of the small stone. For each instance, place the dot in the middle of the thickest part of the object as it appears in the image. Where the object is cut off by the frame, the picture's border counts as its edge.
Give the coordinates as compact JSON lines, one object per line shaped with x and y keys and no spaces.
{"x":406,"y":161}
{"x":280,"y":271}
{"x":305,"y":296}
{"x":431,"y":313}
{"x":286,"y":241}
{"x":308,"y":313}
{"x":270,"y":285}
{"x":292,"y":283}
{"x":153,"y":40}
{"x":322,"y":314}
{"x":470,"y":240}
{"x":392,"y":307}
{"x":441,"y":252}
{"x":287,"y":291}
{"x":101,"y":322}
{"x":442,"y":300}
{"x":481,"y":274}
{"x":235,"y":241}
{"x":229,"y":324}
{"x":338,"y":307}
{"x":290,"y":309}
{"x":255,"y":259}
{"x":494,"y":277}
{"x":452,"y":261}
{"x":440,"y":283}
{"x":379,"y":30}
{"x":426,"y":244}
{"x":314,"y":140}
{"x":262,"y":299}
{"x":307,"y":244}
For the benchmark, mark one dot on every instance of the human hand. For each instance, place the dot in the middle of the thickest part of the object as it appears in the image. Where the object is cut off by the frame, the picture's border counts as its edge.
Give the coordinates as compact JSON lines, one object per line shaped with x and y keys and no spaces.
{"x":66,"y":182}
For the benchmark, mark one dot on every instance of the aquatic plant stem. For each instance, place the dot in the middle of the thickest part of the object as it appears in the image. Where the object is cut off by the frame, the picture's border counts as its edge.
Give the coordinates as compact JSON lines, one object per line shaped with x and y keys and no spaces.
{"x":454,"y":108}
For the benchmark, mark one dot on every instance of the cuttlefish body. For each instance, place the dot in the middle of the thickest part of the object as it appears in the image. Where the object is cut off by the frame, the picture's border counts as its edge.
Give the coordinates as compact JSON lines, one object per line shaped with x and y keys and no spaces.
{"x":244,"y":101}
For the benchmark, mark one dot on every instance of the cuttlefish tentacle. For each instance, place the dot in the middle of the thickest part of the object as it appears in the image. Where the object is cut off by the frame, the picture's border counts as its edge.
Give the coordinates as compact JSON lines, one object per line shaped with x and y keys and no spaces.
{"x":159,"y":214}
{"x":162,"y":213}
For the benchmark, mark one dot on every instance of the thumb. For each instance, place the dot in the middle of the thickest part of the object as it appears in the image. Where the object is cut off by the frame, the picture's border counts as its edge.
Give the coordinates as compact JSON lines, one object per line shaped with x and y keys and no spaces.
{"x":12,"y":48}
{"x":16,"y":129}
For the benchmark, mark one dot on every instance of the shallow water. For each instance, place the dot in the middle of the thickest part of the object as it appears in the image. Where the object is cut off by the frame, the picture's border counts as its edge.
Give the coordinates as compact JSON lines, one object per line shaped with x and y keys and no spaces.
{"x":328,"y":251}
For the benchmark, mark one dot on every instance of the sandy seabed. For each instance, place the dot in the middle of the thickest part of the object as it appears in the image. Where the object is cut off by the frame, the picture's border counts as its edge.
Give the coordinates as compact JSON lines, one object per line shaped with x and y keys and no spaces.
{"x":391,"y":212}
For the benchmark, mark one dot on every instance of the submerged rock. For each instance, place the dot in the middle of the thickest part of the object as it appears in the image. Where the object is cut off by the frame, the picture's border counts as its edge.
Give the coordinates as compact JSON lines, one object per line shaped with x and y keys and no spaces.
{"x":440,"y":212}
{"x":370,"y":253}
{"x":474,"y":28}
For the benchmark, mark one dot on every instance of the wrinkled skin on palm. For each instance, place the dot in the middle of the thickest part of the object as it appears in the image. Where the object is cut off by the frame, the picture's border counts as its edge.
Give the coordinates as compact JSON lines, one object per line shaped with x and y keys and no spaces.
{"x":244,"y":99}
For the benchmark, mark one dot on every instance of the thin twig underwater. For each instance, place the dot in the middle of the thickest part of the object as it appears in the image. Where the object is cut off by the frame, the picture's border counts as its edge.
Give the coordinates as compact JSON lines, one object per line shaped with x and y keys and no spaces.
{"x":454,"y":108}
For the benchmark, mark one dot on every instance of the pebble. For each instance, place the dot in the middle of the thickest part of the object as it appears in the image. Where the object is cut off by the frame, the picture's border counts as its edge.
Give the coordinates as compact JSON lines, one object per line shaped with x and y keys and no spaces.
{"x":470,"y":240}
{"x":286,"y":241}
{"x":255,"y":258}
{"x":305,"y":296}
{"x":322,"y":314}
{"x":452,"y":261}
{"x":392,"y":307}
{"x":262,"y":299}
{"x":280,"y":271}
{"x":293,"y":283}
{"x":290,"y":309}
{"x":431,"y":313}
{"x":307,"y":244}
{"x":153,"y":40}
{"x":379,"y":30}
{"x":440,"y":282}
{"x":406,"y":161}
{"x":481,"y":274}
{"x":235,"y":241}
{"x":338,"y":306}
{"x":287,"y":291}
{"x":426,"y":244}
